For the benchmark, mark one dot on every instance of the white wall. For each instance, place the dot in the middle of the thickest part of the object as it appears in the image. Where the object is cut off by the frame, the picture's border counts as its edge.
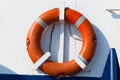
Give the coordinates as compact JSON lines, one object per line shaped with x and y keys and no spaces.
{"x":16,"y":18}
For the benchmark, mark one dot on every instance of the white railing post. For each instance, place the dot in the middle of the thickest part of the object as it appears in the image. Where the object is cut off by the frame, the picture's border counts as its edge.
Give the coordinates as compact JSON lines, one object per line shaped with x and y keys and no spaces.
{"x":61,"y":42}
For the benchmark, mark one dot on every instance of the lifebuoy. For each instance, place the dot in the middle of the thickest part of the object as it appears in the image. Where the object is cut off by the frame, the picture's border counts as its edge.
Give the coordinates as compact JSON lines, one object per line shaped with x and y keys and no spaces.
{"x":88,"y":42}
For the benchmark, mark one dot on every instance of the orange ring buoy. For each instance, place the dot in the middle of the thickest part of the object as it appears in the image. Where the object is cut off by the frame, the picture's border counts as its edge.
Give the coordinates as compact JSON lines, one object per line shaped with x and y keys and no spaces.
{"x":88,"y":42}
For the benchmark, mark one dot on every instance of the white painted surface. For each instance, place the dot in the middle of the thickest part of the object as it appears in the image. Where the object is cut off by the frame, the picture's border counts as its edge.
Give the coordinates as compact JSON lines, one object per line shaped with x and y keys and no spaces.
{"x":17,"y":17}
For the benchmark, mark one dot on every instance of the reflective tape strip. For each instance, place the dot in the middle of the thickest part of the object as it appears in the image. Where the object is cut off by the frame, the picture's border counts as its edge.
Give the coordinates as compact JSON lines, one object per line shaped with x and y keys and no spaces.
{"x":79,"y":21}
{"x":83,"y":59}
{"x":41,"y":60}
{"x":41,"y":22}
{"x":80,"y":62}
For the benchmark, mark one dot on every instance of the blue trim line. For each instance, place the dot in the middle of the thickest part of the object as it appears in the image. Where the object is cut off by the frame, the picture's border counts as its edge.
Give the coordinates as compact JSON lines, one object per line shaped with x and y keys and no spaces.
{"x":37,"y":77}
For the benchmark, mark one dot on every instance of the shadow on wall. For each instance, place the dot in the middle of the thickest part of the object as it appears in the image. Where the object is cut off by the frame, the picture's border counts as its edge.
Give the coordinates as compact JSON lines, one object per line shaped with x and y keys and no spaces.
{"x":96,"y":67}
{"x":101,"y":53}
{"x":5,"y":70}
{"x":7,"y":74}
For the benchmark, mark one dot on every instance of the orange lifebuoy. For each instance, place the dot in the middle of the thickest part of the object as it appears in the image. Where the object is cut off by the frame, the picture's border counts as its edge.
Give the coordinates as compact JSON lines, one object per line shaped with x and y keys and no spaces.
{"x":88,"y":42}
